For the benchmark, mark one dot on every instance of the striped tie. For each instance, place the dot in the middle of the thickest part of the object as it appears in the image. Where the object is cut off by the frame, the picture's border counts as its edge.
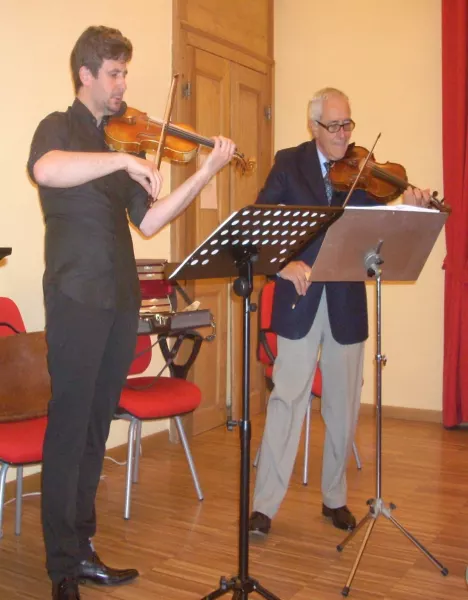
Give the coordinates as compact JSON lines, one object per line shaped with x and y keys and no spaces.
{"x":327,"y":182}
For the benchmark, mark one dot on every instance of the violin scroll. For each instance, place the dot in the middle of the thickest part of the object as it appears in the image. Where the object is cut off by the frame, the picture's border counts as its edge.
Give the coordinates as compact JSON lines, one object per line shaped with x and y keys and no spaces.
{"x":245,"y":165}
{"x":439,"y":204}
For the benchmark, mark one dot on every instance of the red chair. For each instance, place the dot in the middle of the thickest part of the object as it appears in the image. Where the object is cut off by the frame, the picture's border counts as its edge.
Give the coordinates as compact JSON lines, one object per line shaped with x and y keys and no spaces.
{"x":23,"y":401}
{"x":267,"y":350}
{"x":149,"y":398}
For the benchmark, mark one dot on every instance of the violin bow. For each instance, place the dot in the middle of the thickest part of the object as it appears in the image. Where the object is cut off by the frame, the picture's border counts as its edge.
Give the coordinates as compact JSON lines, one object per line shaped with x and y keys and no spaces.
{"x":363,"y":166}
{"x":165,"y":125}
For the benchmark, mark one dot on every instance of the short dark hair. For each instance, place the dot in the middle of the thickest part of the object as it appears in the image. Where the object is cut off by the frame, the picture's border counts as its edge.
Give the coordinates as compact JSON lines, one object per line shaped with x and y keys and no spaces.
{"x":94,"y":45}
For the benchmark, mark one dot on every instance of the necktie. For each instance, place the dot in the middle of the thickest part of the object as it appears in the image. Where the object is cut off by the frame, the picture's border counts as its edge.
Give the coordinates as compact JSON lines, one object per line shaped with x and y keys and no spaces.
{"x":327,"y":182}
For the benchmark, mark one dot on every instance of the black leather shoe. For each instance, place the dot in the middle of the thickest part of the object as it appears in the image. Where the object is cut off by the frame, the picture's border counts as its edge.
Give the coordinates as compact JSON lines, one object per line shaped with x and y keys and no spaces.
{"x":66,"y":589}
{"x":341,"y":517}
{"x":259,"y":524}
{"x":95,"y":571}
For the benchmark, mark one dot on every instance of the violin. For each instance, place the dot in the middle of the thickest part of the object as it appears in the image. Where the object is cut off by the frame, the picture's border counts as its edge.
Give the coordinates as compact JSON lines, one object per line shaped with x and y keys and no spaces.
{"x":383,"y":181}
{"x":135,"y":131}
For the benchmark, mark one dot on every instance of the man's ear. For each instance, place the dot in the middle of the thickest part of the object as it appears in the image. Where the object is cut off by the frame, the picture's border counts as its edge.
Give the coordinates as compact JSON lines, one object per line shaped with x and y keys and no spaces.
{"x":85,"y":76}
{"x":313,"y":128}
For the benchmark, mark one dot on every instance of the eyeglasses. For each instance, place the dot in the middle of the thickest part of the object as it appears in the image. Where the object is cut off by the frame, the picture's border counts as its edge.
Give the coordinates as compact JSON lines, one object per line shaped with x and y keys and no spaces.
{"x":334,"y":127}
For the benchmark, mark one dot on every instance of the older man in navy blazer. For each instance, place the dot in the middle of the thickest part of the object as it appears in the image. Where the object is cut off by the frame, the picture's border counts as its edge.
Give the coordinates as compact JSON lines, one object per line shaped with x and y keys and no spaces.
{"x":329,"y":324}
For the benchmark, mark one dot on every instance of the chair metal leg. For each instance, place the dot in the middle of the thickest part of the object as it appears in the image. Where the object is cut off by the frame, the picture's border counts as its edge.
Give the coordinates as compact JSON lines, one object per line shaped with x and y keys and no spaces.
{"x":136,"y":459}
{"x":357,"y":457}
{"x":188,"y":454}
{"x":130,"y":453}
{"x":257,"y":458}
{"x":3,"y":474}
{"x":305,"y":477}
{"x":19,"y":499}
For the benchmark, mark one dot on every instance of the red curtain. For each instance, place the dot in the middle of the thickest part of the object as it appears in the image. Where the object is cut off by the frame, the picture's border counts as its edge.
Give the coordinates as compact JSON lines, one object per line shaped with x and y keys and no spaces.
{"x":455,"y":152}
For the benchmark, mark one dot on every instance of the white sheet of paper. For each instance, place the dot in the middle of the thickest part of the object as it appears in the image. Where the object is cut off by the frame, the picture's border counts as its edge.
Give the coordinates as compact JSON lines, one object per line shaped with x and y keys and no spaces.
{"x":403,"y":207}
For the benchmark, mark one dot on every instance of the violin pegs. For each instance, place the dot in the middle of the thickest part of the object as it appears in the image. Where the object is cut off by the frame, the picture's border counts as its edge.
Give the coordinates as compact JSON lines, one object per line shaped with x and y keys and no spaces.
{"x":251,"y":165}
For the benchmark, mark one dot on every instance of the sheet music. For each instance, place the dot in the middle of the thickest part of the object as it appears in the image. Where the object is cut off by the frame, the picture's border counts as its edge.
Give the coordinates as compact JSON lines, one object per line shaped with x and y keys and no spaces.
{"x":400,"y":207}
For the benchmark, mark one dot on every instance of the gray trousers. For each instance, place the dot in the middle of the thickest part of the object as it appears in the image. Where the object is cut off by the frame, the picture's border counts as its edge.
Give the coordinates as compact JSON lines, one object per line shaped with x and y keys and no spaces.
{"x":293,"y":373}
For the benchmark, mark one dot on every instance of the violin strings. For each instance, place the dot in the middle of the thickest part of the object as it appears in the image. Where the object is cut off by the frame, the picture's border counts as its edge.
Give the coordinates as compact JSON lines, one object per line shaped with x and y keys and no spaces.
{"x":402,"y":183}
{"x":187,"y":135}
{"x":388,"y":177}
{"x":190,"y":136}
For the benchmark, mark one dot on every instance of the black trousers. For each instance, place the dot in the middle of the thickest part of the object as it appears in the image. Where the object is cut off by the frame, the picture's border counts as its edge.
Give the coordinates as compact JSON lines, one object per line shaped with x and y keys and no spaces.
{"x":89,"y":354}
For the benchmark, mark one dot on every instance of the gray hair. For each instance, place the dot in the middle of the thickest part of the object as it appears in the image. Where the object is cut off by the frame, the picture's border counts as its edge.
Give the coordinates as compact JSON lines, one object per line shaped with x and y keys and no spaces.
{"x":315,"y":108}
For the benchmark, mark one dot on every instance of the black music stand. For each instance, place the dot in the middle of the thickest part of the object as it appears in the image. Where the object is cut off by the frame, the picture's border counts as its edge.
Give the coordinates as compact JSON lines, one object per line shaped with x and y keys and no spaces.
{"x":364,"y":239}
{"x":256,"y":240}
{"x":4,"y":252}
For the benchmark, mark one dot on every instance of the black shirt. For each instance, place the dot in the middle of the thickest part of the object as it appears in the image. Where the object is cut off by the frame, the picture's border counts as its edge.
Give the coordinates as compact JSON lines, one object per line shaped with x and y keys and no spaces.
{"x":88,"y":247}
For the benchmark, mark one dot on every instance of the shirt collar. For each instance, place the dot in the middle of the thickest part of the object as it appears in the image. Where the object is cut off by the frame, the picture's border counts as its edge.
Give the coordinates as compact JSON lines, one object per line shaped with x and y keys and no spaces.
{"x":322,"y":160}
{"x":83,"y":112}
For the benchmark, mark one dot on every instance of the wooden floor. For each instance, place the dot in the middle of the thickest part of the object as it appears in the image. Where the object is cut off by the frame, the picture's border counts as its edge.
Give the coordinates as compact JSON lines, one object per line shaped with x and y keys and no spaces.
{"x":182,"y":546}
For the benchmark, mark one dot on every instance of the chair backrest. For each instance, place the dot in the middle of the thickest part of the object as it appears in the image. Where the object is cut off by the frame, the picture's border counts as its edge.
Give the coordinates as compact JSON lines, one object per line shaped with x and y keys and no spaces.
{"x":142,"y":357}
{"x":24,"y":378}
{"x":267,"y":342}
{"x":11,"y":316}
{"x":267,"y":349}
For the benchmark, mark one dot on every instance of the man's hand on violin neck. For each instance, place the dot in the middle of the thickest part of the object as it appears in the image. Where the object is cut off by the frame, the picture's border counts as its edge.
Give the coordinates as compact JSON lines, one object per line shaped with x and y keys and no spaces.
{"x":299,"y":274}
{"x":416,"y":197}
{"x":221,"y":155}
{"x":145,"y":173}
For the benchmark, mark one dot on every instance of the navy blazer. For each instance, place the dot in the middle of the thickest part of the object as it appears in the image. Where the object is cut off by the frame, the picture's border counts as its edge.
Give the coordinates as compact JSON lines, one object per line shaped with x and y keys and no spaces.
{"x":296,"y":178}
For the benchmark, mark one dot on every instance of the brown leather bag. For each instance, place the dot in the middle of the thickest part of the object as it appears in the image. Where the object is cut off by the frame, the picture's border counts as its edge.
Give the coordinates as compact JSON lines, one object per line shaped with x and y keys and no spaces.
{"x":24,"y":379}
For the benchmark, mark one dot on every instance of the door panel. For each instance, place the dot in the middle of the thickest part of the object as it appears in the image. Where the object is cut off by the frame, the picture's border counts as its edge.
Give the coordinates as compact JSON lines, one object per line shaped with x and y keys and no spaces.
{"x":251,"y":130}
{"x":211,"y":117}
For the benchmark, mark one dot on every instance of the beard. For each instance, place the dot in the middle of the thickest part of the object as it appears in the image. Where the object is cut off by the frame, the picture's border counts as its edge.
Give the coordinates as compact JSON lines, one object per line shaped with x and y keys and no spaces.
{"x":115,"y":108}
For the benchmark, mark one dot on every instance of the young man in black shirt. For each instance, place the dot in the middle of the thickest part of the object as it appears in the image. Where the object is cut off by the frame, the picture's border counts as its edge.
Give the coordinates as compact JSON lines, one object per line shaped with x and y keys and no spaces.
{"x":91,"y":292}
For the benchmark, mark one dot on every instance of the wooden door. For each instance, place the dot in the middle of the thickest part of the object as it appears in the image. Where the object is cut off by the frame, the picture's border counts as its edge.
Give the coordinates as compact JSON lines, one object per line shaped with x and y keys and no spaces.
{"x":210,"y":108}
{"x":222,"y":97}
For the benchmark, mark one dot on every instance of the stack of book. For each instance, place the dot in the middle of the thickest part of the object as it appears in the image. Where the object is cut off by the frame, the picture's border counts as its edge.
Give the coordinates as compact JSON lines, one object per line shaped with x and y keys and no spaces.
{"x":156,"y":291}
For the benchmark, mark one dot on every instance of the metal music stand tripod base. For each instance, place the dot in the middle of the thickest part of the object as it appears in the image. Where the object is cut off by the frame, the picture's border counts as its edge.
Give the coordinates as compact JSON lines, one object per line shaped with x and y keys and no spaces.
{"x":240,"y":589}
{"x":377,"y":506}
{"x":257,"y":239}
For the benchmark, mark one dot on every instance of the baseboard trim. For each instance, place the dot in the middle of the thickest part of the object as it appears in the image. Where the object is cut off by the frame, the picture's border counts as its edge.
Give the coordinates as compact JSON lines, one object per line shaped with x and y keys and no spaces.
{"x":424,"y":415}
{"x":404,"y":413}
{"x":32,"y":483}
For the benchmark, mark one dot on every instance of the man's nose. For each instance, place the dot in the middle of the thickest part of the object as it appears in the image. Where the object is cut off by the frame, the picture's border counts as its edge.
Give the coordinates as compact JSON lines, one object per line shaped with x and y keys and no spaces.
{"x":123,"y":84}
{"x":342,"y":133}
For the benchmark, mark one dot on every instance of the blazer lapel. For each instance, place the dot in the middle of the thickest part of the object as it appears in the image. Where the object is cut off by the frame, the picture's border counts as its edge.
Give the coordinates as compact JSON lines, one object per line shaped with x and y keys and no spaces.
{"x":310,"y":168}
